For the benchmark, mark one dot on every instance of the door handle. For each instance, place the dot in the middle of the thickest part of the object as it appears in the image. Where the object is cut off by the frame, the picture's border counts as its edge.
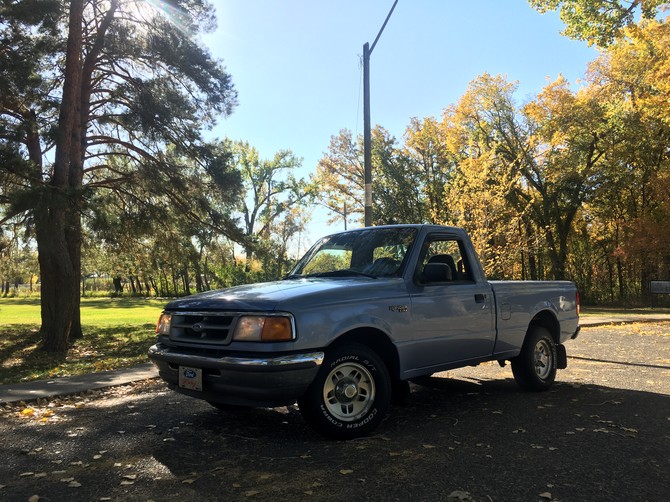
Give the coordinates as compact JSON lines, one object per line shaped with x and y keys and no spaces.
{"x":480,"y":298}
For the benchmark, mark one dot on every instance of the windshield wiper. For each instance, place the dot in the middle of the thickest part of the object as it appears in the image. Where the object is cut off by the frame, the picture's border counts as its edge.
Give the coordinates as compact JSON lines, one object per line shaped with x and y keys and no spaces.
{"x":333,"y":273}
{"x":292,"y":276}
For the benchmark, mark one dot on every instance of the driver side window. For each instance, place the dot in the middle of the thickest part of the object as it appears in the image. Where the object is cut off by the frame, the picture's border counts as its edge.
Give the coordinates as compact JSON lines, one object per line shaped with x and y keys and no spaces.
{"x":443,"y":261}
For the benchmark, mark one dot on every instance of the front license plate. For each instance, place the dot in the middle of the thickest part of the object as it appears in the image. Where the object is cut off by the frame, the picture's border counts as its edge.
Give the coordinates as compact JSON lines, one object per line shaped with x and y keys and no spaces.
{"x":190,"y":378}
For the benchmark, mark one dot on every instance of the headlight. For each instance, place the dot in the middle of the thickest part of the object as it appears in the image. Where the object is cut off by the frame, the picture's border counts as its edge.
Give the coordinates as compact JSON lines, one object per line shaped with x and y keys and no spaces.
{"x":163,"y":325}
{"x":263,"y":329}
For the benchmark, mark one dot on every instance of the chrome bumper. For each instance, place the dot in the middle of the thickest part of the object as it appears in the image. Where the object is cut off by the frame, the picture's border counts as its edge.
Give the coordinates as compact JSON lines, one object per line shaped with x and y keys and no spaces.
{"x":161,"y":352}
{"x":246,"y":381}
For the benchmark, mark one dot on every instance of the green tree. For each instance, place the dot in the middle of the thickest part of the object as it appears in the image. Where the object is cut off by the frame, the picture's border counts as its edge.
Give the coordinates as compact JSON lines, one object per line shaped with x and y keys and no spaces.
{"x":272,"y":191}
{"x":190,"y":210}
{"x":599,"y":22}
{"x":339,"y":181}
{"x":18,"y":262}
{"x":398,"y":188}
{"x":89,"y":81}
{"x":428,"y":152}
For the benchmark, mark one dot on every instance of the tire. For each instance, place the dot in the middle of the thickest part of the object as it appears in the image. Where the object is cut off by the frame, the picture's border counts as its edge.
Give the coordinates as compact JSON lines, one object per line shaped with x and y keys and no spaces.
{"x":534,"y":368}
{"x":350,"y":395}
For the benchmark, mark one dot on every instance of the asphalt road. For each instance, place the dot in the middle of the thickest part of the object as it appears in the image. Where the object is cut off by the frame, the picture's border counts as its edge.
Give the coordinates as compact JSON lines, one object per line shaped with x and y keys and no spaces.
{"x":601,"y":433}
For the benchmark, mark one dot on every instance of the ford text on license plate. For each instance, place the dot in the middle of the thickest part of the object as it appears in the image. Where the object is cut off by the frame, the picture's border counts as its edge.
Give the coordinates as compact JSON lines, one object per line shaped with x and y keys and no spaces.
{"x":190,"y":378}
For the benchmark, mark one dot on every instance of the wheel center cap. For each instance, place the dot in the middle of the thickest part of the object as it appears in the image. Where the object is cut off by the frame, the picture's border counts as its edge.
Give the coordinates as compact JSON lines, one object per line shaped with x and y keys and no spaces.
{"x":350,"y":391}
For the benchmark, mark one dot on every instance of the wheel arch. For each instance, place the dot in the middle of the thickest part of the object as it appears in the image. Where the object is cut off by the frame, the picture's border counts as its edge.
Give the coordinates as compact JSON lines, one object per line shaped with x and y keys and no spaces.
{"x":379,"y":342}
{"x":547,"y":320}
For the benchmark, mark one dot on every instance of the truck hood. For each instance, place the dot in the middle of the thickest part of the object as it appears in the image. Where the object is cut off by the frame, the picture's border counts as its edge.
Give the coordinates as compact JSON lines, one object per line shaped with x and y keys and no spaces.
{"x":281,"y":295}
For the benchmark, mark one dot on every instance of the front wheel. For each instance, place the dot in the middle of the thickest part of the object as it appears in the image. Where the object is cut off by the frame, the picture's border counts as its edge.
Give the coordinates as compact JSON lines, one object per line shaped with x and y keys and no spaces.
{"x":535,"y":367}
{"x":350,"y":395}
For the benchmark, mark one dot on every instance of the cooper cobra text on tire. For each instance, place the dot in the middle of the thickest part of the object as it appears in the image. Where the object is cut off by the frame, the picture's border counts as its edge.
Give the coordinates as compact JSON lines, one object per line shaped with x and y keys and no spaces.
{"x":535,"y":367}
{"x":350,"y":395}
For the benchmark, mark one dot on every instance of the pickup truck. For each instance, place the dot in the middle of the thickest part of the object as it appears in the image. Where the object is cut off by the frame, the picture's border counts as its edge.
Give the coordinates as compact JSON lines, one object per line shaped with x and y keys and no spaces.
{"x":362,"y":313}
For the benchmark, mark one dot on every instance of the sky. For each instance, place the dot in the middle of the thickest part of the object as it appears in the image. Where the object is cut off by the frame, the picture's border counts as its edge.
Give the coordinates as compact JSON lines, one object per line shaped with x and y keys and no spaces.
{"x":296,"y":65}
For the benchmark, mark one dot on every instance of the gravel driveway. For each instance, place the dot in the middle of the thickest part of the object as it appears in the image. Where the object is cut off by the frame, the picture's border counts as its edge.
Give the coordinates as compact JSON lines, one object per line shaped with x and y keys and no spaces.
{"x":601,"y":433}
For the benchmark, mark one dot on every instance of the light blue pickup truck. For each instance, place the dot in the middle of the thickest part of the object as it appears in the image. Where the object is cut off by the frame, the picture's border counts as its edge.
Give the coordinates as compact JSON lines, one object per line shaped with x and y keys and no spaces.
{"x":361,"y":314}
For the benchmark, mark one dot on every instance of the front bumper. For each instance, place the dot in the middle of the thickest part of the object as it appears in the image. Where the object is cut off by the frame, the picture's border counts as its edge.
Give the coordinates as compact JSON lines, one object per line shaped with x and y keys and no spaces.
{"x":245,"y":381}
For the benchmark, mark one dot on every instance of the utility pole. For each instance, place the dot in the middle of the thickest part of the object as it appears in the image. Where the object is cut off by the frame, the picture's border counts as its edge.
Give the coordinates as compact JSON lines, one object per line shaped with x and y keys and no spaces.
{"x":367,"y":133}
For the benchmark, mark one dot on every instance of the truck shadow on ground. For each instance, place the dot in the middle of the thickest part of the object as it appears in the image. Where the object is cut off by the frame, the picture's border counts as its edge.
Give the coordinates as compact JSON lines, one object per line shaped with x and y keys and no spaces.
{"x":475,"y":436}
{"x":493,"y":440}
{"x":623,"y":363}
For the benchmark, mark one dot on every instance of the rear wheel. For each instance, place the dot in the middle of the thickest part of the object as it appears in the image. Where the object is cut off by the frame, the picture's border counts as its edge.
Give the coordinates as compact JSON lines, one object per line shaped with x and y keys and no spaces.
{"x":350,"y":395}
{"x":535,"y":367}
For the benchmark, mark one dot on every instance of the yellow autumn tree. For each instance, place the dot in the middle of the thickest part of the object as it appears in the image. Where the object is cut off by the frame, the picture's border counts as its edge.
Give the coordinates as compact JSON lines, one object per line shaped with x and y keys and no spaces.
{"x":632,"y":78}
{"x":484,"y":193}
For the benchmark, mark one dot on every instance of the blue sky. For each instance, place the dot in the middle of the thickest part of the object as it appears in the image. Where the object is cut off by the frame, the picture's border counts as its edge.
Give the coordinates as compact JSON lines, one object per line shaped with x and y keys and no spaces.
{"x":296,"y":64}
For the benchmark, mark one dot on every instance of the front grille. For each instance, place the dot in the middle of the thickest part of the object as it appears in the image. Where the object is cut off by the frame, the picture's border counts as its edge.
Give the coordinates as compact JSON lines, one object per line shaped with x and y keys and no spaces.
{"x":205,"y":327}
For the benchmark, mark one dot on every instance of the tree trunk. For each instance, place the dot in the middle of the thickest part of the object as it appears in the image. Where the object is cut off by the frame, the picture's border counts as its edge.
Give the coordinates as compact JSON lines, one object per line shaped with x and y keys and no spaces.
{"x":204,"y":276}
{"x":73,"y":237}
{"x":58,"y":298}
{"x":57,"y":217}
{"x":186,"y":280}
{"x":248,"y":252}
{"x":131,"y":279}
{"x":118,"y":285}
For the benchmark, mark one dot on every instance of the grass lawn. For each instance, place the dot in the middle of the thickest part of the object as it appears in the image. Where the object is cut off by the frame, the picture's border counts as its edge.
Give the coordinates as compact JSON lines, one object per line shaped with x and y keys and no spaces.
{"x":117,"y":333}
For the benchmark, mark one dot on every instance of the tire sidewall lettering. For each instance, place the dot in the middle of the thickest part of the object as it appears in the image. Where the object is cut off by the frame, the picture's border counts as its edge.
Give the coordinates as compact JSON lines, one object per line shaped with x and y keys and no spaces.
{"x":363,"y":421}
{"x":344,"y":359}
{"x":349,"y":425}
{"x":330,"y":418}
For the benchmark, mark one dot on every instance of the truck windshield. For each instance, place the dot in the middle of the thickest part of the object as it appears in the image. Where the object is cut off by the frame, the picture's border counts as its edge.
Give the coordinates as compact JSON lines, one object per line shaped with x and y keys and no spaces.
{"x":373,"y":252}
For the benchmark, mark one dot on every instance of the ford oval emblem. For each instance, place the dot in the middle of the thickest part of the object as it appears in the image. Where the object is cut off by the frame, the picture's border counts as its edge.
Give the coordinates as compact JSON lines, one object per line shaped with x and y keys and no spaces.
{"x":197,"y":327}
{"x":189,"y":373}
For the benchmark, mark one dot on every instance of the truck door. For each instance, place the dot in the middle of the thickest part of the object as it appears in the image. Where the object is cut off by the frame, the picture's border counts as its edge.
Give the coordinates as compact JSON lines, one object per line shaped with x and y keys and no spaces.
{"x":452,"y":312}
